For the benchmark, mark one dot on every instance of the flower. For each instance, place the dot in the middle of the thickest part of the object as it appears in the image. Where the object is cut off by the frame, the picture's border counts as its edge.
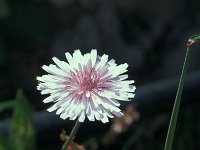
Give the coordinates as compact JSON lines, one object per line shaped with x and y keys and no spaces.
{"x":88,"y":85}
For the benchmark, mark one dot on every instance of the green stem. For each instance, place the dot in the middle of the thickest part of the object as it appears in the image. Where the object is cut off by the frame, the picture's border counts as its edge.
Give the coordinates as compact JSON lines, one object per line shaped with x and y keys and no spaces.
{"x":173,"y":120}
{"x":72,"y":134}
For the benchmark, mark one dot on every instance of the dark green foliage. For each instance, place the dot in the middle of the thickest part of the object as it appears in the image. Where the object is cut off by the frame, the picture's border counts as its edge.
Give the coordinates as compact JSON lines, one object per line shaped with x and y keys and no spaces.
{"x":4,"y":9}
{"x":22,"y":132}
{"x":2,"y":142}
{"x":7,"y":104}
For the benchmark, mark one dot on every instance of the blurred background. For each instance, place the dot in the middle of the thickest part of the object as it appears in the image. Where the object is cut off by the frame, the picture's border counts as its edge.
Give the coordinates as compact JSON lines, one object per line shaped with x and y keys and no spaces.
{"x":150,"y":36}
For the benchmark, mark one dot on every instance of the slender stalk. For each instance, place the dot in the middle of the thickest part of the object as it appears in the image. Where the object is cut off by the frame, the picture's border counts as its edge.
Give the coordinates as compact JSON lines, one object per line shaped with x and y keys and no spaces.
{"x":174,"y":116}
{"x":72,"y":134}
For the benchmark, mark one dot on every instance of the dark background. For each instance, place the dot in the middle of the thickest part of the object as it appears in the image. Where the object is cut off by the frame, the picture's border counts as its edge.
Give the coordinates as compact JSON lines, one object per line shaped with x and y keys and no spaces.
{"x":150,"y":36}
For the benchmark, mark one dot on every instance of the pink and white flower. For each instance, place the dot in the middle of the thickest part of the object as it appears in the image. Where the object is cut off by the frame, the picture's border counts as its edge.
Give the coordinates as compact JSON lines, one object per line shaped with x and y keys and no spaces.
{"x":87,"y":85}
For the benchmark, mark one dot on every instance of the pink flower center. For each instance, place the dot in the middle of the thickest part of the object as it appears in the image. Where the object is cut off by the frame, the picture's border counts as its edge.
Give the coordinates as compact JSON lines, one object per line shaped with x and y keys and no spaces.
{"x":88,"y":82}
{"x":86,"y":85}
{"x":81,"y":82}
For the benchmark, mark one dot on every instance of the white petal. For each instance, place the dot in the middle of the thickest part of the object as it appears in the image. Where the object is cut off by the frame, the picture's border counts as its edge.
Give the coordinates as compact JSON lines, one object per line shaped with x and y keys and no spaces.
{"x":51,"y":85}
{"x":99,"y":109}
{"x":50,"y":98}
{"x":52,"y":108}
{"x":90,"y":114}
{"x":118,"y":114}
{"x":66,"y":103}
{"x":96,"y":99}
{"x":104,"y":71}
{"x":123,"y":77}
{"x":108,"y":94}
{"x":130,"y":95}
{"x":130,"y":88}
{"x":115,"y":102}
{"x":112,"y":65}
{"x":50,"y":78}
{"x":52,"y":69}
{"x":96,"y":114}
{"x":105,"y":103}
{"x":89,"y":65}
{"x":73,"y":118}
{"x":105,"y":118}
{"x":86,"y":58}
{"x":64,"y":115}
{"x":61,"y":102}
{"x":72,"y":105}
{"x":69,"y":58}
{"x":77,"y":55}
{"x":72,"y":115}
{"x":102,"y":62}
{"x":82,"y":102}
{"x":106,"y":112}
{"x":126,"y":82}
{"x":81,"y":117}
{"x":108,"y":105}
{"x":60,"y":64}
{"x":119,"y":70}
{"x":47,"y":91}
{"x":122,"y":96}
{"x":68,"y":66}
{"x":41,"y":87}
{"x":60,"y":110}
{"x":93,"y":56}
{"x":78,"y":110}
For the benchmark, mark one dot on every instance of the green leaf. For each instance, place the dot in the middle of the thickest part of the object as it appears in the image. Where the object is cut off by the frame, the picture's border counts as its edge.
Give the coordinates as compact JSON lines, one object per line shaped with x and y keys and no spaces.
{"x":7,"y":104}
{"x":174,"y":116}
{"x":1,"y":147}
{"x":195,"y":38}
{"x":22,"y":132}
{"x":2,"y":142}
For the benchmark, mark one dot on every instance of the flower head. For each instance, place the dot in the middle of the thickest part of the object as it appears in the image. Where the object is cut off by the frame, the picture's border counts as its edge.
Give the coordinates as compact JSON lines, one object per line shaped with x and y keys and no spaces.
{"x":87,"y":85}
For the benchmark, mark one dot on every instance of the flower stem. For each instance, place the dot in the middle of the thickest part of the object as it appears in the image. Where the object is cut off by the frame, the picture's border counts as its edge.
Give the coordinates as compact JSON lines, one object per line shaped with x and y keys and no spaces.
{"x":72,"y":134}
{"x":174,"y":116}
